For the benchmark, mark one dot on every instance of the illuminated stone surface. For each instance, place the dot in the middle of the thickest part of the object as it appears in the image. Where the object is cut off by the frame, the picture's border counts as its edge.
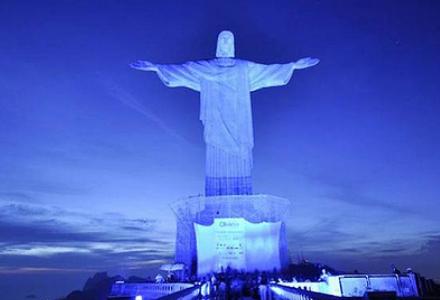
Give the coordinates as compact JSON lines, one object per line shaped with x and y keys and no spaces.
{"x":225,"y":84}
{"x":206,"y":210}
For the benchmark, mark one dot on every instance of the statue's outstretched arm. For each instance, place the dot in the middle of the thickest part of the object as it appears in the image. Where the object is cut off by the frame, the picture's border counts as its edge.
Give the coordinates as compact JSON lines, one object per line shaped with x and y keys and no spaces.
{"x":143,"y":65}
{"x":305,"y":63}
{"x":172,"y":75}
{"x":263,"y":76}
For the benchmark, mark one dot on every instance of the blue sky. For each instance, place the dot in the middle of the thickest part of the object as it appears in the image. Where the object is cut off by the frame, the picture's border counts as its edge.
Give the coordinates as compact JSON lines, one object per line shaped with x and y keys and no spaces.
{"x":92,"y":152}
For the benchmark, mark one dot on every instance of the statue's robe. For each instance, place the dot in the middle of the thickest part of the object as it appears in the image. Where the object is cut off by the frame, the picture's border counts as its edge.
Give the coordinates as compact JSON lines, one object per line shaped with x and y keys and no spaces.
{"x":226,"y":113}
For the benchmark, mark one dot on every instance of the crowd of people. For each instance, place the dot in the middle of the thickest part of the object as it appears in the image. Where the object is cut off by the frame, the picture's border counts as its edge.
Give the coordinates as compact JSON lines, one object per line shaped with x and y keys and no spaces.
{"x":233,"y":284}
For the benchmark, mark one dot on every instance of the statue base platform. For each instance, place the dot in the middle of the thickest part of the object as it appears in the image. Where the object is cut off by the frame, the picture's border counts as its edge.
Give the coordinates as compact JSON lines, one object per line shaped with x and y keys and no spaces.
{"x":245,"y":210}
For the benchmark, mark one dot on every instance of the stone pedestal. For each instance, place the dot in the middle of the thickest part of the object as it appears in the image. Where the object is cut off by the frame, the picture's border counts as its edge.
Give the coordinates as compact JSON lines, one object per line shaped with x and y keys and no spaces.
{"x":203,"y":210}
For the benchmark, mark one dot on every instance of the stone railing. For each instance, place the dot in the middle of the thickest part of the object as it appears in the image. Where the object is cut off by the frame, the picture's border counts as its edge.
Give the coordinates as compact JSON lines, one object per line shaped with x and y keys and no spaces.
{"x":279,"y":292}
{"x":147,"y":290}
{"x":185,"y":294}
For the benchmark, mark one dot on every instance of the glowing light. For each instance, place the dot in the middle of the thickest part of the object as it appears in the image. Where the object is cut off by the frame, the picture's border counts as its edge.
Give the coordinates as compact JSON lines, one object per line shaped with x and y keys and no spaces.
{"x":237,"y":243}
{"x":42,"y":250}
{"x":138,"y":297}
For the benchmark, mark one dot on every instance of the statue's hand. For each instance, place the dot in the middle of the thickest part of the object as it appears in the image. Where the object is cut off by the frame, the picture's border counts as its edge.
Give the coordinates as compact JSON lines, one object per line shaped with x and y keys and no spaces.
{"x":143,"y":66}
{"x":306,"y":62}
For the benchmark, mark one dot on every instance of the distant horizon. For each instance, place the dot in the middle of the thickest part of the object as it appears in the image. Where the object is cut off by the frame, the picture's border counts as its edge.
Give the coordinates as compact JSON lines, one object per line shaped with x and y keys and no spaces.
{"x":92,"y":152}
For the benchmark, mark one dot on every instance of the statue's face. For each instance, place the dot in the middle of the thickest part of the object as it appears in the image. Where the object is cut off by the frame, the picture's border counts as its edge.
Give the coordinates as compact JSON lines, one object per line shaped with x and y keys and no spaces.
{"x":225,"y":44}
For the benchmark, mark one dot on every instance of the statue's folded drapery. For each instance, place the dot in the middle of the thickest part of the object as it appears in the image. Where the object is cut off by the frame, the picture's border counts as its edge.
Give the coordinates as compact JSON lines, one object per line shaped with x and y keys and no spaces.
{"x":225,"y":111}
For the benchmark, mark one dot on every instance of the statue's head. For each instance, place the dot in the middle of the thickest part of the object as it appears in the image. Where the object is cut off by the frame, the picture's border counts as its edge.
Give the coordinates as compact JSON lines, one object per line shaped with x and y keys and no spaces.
{"x":225,"y":44}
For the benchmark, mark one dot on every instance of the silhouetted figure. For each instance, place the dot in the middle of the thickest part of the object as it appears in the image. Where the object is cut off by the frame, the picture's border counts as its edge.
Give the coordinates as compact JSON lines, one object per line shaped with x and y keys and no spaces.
{"x":395,"y":270}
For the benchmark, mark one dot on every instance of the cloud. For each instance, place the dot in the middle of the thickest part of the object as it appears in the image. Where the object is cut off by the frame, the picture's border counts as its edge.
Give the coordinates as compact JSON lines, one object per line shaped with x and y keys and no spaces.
{"x":352,"y":196}
{"x":92,"y":260}
{"x":36,"y":236}
{"x":21,"y":210}
{"x":30,"y":188}
{"x":332,"y":241}
{"x":31,"y":224}
{"x":16,"y":197}
{"x":23,"y":233}
{"x":342,"y":226}
{"x":351,"y":191}
{"x":30,"y":270}
{"x":432,"y":244}
{"x":56,"y":188}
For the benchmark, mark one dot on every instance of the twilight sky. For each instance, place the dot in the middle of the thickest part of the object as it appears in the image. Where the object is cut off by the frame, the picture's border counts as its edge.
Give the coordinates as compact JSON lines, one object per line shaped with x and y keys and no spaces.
{"x":92,"y":152}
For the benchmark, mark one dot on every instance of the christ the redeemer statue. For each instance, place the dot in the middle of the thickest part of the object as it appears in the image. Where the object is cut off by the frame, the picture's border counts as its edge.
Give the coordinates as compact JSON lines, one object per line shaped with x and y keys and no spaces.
{"x":225,"y":84}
